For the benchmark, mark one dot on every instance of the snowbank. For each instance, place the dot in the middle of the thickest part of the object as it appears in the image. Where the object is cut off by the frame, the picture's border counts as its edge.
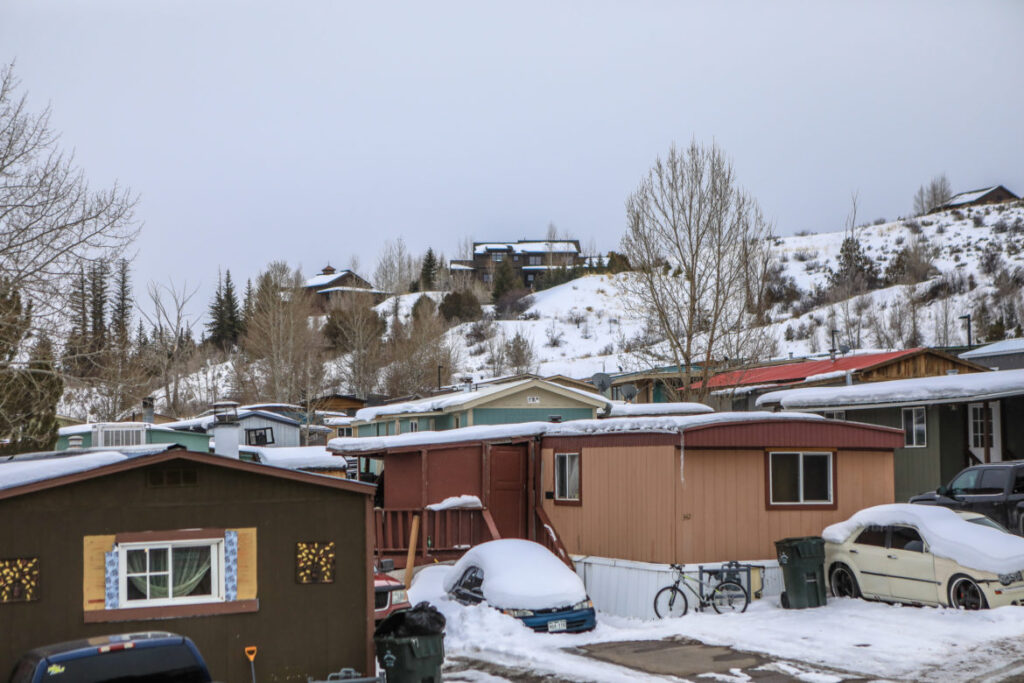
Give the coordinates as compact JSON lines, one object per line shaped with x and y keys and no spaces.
{"x":947,"y":534}
{"x":298,"y":457}
{"x":636,"y":409}
{"x":977,"y":386}
{"x":667,"y":424}
{"x":463,"y":502}
{"x":520,"y":574}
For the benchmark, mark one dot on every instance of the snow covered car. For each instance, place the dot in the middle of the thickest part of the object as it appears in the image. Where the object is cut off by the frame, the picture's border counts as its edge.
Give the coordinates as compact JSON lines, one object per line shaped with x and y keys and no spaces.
{"x":924,"y":555}
{"x":524,"y":580}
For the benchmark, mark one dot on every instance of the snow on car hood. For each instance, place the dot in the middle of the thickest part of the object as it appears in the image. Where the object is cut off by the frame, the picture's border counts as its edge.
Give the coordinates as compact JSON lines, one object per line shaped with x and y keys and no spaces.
{"x":947,"y":534}
{"x":520,"y":574}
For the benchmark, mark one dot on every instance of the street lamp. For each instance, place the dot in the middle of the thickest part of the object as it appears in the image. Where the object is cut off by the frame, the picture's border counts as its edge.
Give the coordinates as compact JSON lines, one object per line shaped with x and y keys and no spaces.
{"x":968,"y":319}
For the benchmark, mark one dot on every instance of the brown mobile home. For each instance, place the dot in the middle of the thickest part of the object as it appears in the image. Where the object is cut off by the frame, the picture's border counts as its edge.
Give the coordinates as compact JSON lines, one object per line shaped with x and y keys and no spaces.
{"x":257,"y":555}
{"x":698,"y":488}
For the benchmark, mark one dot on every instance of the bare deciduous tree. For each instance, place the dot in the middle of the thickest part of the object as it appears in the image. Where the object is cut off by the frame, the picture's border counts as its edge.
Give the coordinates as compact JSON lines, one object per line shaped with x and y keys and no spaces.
{"x":171,"y":331}
{"x":691,"y":231}
{"x":355,"y":330}
{"x":51,"y":222}
{"x":934,"y":194}
{"x":396,"y":268}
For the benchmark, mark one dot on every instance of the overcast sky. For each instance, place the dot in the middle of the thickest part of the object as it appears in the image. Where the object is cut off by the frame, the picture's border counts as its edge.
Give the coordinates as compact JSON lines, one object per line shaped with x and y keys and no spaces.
{"x":313,"y":131}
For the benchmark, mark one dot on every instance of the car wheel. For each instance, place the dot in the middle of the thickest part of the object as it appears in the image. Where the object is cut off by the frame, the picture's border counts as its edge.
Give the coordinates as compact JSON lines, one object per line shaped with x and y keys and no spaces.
{"x":843,"y":582}
{"x":965,"y":593}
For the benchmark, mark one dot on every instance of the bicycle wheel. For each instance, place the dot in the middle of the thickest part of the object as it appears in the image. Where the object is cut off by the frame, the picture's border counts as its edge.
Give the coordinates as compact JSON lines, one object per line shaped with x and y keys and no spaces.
{"x":670,"y":602}
{"x":729,"y":596}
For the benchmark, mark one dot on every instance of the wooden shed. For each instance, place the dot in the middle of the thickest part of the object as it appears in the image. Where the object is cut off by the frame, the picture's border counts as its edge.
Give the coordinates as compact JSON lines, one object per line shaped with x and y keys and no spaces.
{"x":699,"y":488}
{"x":258,"y":555}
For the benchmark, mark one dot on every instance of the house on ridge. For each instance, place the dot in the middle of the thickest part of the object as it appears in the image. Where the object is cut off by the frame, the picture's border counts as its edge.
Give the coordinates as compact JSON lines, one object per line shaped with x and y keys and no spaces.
{"x":529,"y":258}
{"x":986,"y":195}
{"x":331,"y":283}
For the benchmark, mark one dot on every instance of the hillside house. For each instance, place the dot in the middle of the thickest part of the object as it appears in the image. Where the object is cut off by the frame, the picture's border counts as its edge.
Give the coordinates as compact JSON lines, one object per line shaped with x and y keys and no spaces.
{"x":331,"y":283}
{"x":739,"y":389}
{"x":949,"y":422}
{"x":986,"y":195}
{"x":529,"y":258}
{"x":257,"y":427}
{"x":501,"y":403}
{"x":700,"y":488}
{"x":248,"y":547}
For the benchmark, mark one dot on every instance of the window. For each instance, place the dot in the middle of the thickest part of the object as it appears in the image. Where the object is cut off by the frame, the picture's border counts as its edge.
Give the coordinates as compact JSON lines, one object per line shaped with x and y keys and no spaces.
{"x":487,"y":277}
{"x":458,"y":421}
{"x":470,"y":586}
{"x":262,"y":436}
{"x":536,"y":260}
{"x":800,"y":478}
{"x":834,"y":414}
{"x":981,"y":427}
{"x":915,"y":429}
{"x":172,"y":477}
{"x":414,"y":426}
{"x":567,"y":477}
{"x":180,"y":572}
{"x":906,"y":538}
{"x":344,"y":431}
{"x":497,"y":256}
{"x":112,"y":437}
{"x":872,"y":535}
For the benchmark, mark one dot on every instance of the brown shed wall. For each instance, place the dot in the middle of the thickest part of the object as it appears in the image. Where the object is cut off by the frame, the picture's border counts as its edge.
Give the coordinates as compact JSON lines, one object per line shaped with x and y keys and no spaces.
{"x":300,"y":630}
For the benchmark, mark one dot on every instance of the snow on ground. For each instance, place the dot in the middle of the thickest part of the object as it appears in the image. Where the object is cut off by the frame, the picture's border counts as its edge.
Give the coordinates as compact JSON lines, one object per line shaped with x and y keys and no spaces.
{"x":864,"y":638}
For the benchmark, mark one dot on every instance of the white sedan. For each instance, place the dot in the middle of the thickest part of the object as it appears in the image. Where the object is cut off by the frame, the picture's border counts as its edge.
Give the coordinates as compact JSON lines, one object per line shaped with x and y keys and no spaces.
{"x":924,"y":555}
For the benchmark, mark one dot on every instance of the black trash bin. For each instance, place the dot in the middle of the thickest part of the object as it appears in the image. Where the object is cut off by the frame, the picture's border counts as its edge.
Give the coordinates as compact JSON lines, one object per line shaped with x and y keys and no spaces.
{"x":410,"y":645}
{"x":802,"y":561}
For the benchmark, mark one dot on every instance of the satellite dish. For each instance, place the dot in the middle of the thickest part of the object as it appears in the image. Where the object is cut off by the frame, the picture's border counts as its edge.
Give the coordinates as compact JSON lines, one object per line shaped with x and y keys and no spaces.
{"x":602,"y":381}
{"x":628,"y":391}
{"x":844,"y":349}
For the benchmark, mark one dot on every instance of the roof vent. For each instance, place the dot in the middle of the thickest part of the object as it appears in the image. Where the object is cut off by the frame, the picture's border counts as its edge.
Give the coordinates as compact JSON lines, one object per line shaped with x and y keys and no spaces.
{"x":328,"y":270}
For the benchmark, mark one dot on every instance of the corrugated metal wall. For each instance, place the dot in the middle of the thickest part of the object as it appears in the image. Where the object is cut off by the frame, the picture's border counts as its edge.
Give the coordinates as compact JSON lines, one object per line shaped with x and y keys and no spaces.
{"x":626,"y":589}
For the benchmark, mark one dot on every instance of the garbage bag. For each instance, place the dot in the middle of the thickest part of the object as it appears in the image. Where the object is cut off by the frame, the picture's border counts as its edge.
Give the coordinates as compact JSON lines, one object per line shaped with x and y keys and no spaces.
{"x":421,"y":620}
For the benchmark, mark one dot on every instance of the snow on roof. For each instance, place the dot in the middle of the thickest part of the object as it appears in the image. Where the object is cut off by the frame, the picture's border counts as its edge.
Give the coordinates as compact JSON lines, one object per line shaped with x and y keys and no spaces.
{"x":363,"y":290}
{"x":30,"y":468}
{"x":999,"y":348}
{"x":667,"y":424}
{"x":554,"y":246}
{"x":794,"y":372}
{"x":968,"y":197}
{"x":323,"y":280}
{"x":298,"y":457}
{"x":946,"y":533}
{"x":975,"y":386}
{"x":434,"y":404}
{"x":619,"y":409}
{"x":459,"y":266}
{"x":338,"y":421}
{"x":205,"y":422}
{"x":90,"y":426}
{"x":520,"y":574}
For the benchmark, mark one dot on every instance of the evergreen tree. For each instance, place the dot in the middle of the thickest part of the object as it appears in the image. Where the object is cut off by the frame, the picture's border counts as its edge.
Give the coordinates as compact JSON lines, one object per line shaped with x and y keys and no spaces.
{"x":215,"y":325}
{"x":428,"y":271}
{"x":855,"y":271}
{"x":248,"y":305}
{"x":98,"y":293}
{"x":505,"y":280}
{"x":121,"y":310}
{"x":232,"y":315}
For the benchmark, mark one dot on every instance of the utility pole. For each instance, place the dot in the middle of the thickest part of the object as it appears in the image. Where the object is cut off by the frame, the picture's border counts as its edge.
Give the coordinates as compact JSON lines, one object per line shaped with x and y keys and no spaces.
{"x":968,"y":319}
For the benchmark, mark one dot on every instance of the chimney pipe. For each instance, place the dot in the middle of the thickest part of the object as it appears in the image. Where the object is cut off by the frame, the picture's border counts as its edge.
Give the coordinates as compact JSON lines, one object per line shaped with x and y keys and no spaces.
{"x":225,"y":429}
{"x":147,"y":410}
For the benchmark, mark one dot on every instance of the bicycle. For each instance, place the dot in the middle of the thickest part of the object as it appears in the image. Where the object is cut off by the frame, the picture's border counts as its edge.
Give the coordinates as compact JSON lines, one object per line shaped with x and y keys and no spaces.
{"x":725,"y":596}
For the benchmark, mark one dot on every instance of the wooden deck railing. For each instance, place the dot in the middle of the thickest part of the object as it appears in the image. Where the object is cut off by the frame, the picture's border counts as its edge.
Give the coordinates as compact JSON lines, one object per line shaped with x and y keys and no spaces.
{"x":444,"y":534}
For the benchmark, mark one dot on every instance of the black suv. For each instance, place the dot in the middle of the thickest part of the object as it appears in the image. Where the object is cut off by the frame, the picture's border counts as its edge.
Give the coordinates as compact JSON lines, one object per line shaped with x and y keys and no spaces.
{"x":153,"y":657}
{"x":995,"y":490}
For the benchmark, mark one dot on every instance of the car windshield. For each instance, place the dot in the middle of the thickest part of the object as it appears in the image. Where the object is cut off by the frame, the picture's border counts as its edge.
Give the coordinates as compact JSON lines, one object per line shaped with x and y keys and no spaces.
{"x":986,"y":521}
{"x":172,"y":664}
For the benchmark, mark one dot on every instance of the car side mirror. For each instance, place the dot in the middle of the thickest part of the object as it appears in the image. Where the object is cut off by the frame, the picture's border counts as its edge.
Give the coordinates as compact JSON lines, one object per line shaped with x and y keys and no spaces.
{"x":387,"y":565}
{"x":943,"y":490}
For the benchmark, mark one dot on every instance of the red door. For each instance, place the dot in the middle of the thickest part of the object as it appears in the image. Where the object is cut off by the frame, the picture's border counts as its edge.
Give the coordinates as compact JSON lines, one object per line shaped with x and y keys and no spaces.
{"x":508,"y":490}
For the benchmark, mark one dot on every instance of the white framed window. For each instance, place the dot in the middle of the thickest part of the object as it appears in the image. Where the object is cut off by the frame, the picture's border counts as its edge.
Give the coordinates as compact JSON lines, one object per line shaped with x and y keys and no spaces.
{"x":915,"y":428}
{"x":261,"y":436}
{"x":109,"y":436}
{"x":834,"y":414}
{"x":414,"y":426}
{"x":536,"y":260}
{"x":981,"y":426}
{"x":344,"y":431}
{"x":800,"y":479}
{"x":567,"y":477}
{"x":170,"y":573}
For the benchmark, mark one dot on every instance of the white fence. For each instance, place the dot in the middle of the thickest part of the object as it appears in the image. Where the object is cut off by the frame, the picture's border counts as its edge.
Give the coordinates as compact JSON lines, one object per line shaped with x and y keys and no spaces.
{"x":626,"y":588}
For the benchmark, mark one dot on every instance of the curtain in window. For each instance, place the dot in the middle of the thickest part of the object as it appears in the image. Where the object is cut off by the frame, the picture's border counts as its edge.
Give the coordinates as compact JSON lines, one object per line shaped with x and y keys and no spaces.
{"x":191,"y":565}
{"x":573,"y":478}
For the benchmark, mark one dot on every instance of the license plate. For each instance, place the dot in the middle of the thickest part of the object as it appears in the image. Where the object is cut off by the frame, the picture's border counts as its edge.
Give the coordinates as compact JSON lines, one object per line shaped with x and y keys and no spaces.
{"x":556,"y":625}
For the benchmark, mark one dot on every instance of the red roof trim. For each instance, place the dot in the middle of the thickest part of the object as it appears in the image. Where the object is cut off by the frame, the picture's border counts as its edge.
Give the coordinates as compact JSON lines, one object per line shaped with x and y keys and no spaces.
{"x":796,"y":372}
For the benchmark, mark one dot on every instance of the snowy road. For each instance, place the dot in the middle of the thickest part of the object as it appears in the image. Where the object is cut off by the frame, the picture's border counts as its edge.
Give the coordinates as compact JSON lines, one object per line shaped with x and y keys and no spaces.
{"x":847,"y":639}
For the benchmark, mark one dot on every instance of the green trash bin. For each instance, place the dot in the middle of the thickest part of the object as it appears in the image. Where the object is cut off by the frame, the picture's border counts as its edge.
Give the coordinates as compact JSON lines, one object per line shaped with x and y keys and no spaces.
{"x":414,"y":659}
{"x":802,"y":561}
